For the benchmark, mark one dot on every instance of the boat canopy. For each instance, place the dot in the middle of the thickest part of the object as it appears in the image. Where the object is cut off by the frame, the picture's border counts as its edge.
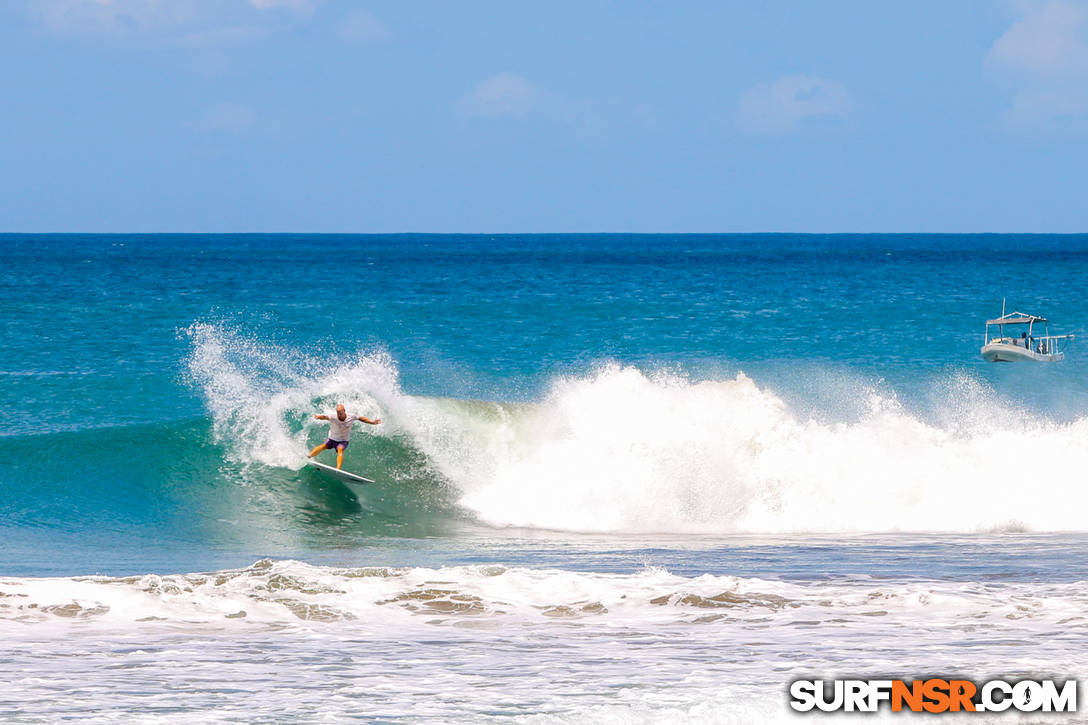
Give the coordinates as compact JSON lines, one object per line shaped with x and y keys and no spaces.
{"x":1016,"y":318}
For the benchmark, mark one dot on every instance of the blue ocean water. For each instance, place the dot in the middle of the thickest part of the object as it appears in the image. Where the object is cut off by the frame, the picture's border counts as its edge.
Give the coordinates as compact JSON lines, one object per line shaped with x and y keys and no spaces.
{"x":587,"y":441}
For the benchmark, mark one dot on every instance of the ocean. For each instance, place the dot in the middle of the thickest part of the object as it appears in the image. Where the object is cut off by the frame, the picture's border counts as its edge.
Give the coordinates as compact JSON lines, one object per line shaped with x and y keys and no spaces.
{"x":620,"y":478}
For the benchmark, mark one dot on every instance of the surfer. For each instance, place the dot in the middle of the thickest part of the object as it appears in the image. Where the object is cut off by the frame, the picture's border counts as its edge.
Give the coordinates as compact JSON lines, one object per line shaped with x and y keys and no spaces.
{"x":339,"y":432}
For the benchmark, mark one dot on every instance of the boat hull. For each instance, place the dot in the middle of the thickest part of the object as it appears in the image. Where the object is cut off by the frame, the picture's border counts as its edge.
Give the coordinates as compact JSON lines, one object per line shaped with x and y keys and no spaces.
{"x":1001,"y":352}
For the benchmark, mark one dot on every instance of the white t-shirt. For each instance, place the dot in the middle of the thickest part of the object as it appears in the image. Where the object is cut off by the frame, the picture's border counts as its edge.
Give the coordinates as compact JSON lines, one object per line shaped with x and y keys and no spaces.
{"x":340,"y":430}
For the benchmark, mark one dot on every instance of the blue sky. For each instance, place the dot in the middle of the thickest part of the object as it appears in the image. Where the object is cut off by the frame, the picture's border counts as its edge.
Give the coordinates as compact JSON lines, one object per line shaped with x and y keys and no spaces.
{"x":327,"y":116}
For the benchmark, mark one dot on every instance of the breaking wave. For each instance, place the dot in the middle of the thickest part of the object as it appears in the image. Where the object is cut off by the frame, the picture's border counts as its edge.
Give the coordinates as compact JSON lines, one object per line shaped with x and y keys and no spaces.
{"x":626,"y":450}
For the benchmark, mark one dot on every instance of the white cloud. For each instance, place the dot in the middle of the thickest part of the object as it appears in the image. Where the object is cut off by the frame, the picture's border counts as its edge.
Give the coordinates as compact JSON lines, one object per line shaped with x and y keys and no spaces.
{"x":791,"y":99}
{"x":226,"y":117}
{"x":506,"y":94}
{"x":298,"y":5}
{"x":212,"y":22}
{"x":224,"y":36}
{"x":1033,"y":107}
{"x":101,"y":17}
{"x":1045,"y":55}
{"x":361,"y":26}
{"x":1048,"y":40}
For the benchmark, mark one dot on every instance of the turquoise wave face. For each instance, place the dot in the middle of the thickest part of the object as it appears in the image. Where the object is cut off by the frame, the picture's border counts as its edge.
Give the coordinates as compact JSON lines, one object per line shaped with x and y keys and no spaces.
{"x":171,"y":492}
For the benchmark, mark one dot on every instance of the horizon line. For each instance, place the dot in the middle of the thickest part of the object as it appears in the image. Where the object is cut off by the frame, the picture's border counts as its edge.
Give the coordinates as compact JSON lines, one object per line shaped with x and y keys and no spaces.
{"x":534,"y":233}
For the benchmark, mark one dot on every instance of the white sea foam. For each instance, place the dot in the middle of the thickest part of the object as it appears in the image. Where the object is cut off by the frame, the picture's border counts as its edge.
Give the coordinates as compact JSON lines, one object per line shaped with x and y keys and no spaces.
{"x":288,"y":640}
{"x":262,"y":398}
{"x":279,"y":593}
{"x":623,"y":450}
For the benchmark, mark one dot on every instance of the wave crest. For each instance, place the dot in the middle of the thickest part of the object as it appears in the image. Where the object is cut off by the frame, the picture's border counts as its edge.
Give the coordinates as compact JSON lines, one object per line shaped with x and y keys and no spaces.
{"x":622,"y":450}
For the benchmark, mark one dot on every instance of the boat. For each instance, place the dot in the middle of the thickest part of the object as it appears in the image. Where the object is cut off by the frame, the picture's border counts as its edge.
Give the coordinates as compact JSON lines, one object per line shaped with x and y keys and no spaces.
{"x":1027,"y":346}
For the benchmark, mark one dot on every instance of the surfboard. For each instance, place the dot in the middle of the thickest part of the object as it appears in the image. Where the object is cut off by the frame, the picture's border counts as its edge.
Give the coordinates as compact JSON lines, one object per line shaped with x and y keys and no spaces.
{"x":337,"y":473}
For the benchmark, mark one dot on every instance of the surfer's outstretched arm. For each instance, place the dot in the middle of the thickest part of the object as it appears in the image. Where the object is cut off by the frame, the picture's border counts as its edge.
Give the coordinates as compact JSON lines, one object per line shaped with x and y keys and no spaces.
{"x":321,"y":417}
{"x":376,"y":421}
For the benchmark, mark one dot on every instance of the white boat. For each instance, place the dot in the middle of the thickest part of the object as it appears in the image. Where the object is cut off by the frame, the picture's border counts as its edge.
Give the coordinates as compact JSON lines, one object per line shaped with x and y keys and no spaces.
{"x":1027,"y":345}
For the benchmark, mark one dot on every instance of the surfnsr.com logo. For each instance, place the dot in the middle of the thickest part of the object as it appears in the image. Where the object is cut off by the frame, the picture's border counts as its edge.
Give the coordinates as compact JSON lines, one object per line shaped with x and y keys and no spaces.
{"x":933,"y":695}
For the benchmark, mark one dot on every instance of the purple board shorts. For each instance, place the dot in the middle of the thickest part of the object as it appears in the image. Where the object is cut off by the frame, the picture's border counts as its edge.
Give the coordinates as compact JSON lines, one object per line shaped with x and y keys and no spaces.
{"x":338,"y":445}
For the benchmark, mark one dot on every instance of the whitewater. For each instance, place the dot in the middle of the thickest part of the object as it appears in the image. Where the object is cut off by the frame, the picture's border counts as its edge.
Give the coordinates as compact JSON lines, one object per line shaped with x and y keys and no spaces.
{"x":626,"y":450}
{"x":183,"y":643}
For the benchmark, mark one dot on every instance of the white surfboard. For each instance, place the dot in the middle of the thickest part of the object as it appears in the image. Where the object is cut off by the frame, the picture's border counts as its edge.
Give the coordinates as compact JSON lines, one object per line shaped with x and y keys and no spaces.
{"x":337,"y":473}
